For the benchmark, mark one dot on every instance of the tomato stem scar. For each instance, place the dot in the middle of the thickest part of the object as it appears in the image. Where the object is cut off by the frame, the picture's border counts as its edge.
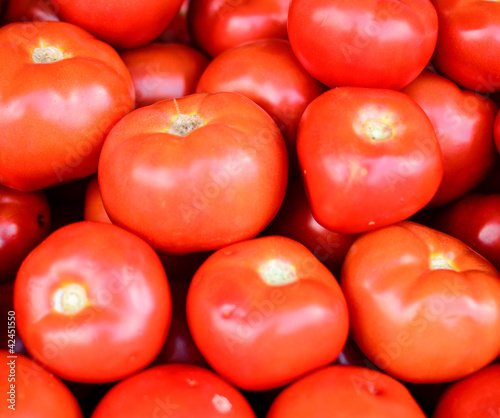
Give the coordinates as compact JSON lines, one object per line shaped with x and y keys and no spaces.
{"x":46,"y":54}
{"x":377,"y":130}
{"x":184,"y":124}
{"x":277,"y":272}
{"x":70,"y":299}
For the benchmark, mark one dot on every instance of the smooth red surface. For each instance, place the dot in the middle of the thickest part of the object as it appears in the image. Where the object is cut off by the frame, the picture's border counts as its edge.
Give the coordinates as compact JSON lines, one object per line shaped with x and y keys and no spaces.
{"x":128,"y":303}
{"x":175,"y":391}
{"x":368,"y":158}
{"x":221,"y":183}
{"x":420,"y":301}
{"x":463,"y":122}
{"x":164,"y":71}
{"x":345,"y":392}
{"x":260,"y":335}
{"x":363,"y":43}
{"x":25,"y":219}
{"x":54,"y":116}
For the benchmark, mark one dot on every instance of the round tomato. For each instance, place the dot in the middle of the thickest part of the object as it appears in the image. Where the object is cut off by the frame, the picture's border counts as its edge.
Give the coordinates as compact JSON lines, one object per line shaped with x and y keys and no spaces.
{"x":194,"y":174}
{"x":463,"y":122}
{"x":25,"y":219}
{"x":364,"y":43}
{"x":267,"y":72}
{"x":61,"y":90}
{"x":368,"y":158}
{"x":475,"y":220}
{"x":265,"y":311}
{"x":345,"y":391}
{"x":217,"y":25}
{"x":124,"y":24}
{"x":424,"y":307}
{"x":476,"y":396}
{"x":30,"y":391}
{"x":86,"y":300}
{"x":468,"y":46}
{"x":174,"y":391}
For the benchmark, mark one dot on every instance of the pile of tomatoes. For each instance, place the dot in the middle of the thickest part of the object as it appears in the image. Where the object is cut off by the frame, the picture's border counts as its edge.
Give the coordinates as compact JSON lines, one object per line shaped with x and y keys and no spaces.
{"x":250,"y":208}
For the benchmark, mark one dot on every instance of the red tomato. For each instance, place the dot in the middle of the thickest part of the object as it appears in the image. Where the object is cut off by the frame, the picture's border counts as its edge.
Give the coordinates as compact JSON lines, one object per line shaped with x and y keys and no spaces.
{"x":368,"y":158}
{"x":475,"y":220}
{"x":197,"y":180}
{"x":30,"y":391}
{"x":476,"y":396}
{"x":424,"y":307}
{"x":94,"y":208}
{"x":86,"y":300}
{"x":217,"y":25}
{"x":125,"y":24}
{"x":164,"y":71}
{"x":463,"y":122}
{"x":177,"y":30}
{"x":265,"y":311}
{"x":267,"y":72}
{"x":24,"y":222}
{"x":468,"y":43}
{"x":61,"y":91}
{"x":365,"y":43}
{"x":295,"y":221}
{"x":174,"y":391}
{"x":496,"y":131}
{"x":345,"y":391}
{"x":29,"y":10}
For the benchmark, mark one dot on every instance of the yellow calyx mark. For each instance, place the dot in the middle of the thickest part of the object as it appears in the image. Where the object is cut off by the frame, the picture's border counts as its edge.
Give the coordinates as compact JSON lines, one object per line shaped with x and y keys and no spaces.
{"x":377,"y":123}
{"x":277,"y":272}
{"x":70,"y":299}
{"x":183,"y":124}
{"x":440,"y":263}
{"x":377,"y":130}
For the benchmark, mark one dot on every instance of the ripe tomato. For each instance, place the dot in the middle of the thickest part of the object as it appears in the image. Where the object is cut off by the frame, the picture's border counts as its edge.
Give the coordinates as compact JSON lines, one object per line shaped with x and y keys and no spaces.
{"x":125,"y":24}
{"x":368,"y":158}
{"x":267,"y":72}
{"x":24,"y":222}
{"x":217,"y":25}
{"x":295,"y":220}
{"x":174,"y":391}
{"x":345,"y":391}
{"x":197,"y":180}
{"x":467,"y":46}
{"x":177,"y":30}
{"x":33,"y":392}
{"x":364,"y":43}
{"x":87,"y":298}
{"x":164,"y":71}
{"x":29,"y":10}
{"x":94,"y":208}
{"x":61,"y":90}
{"x":475,"y":220}
{"x":265,"y":311}
{"x":424,"y":307}
{"x":476,"y":396}
{"x":463,"y":122}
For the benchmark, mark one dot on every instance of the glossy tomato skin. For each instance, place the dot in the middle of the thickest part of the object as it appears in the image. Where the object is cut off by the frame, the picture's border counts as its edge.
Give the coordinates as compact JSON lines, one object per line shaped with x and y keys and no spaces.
{"x":164,"y":71}
{"x":467,"y":47}
{"x":88,"y":285}
{"x":368,"y":158}
{"x":221,"y":183}
{"x":363,"y":43}
{"x":463,"y":122}
{"x":177,"y":30}
{"x":25,"y":219}
{"x":124,"y":24}
{"x":419,"y":302}
{"x":176,"y":391}
{"x":29,"y":10}
{"x":345,"y":391}
{"x":296,"y":221}
{"x":267,"y":72}
{"x":217,"y":25}
{"x":37,"y":393}
{"x":77,"y":99}
{"x":265,"y":311}
{"x":475,"y":396}
{"x":94,"y":208}
{"x":475,"y":220}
